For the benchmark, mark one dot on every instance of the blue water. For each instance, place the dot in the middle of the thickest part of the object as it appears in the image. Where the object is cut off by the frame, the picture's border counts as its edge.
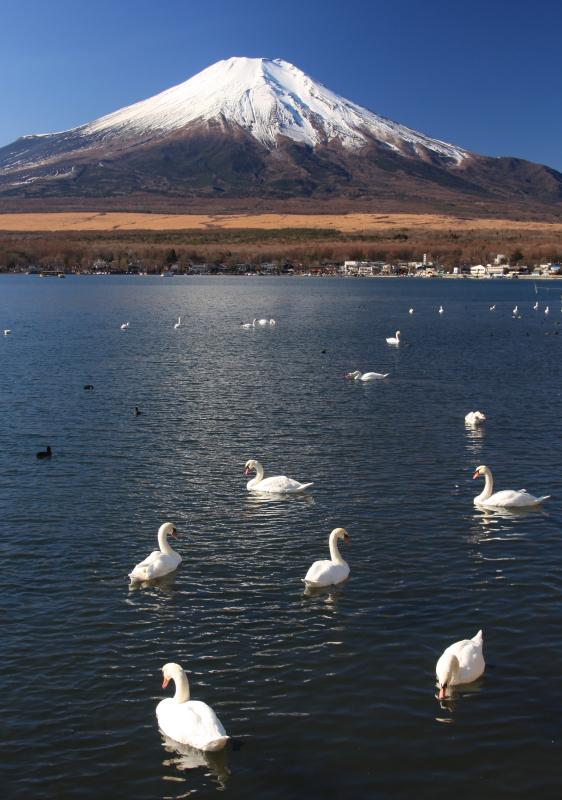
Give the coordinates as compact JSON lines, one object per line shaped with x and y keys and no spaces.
{"x":329,"y":695}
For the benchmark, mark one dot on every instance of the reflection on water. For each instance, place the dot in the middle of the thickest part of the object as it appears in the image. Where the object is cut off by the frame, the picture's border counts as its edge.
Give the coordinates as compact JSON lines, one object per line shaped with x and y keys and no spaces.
{"x":167,"y":584}
{"x":190,"y":758}
{"x":329,"y":687}
{"x":474,"y":438}
{"x":329,"y":594}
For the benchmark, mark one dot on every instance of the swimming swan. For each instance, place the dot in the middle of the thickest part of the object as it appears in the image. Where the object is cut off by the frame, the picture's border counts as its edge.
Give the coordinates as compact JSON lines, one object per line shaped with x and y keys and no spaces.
{"x":474,"y":418}
{"x":160,"y":562}
{"x":7,"y":332}
{"x":328,"y":573}
{"x":535,"y":307}
{"x":249,"y":324}
{"x":493,"y":308}
{"x":367,"y":376}
{"x":266,"y":322}
{"x":462,"y":662}
{"x":394,"y":339}
{"x":278,"y":484}
{"x":178,"y":323}
{"x":440,"y":309}
{"x":125,"y":325}
{"x":188,"y":721}
{"x":503,"y":499}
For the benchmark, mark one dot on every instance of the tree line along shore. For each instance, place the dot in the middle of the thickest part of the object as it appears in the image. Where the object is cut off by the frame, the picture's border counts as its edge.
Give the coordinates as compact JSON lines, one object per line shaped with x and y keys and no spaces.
{"x":284,"y":248}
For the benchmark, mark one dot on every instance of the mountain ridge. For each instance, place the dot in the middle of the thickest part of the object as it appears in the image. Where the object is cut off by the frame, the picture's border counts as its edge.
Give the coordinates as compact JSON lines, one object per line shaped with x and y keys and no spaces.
{"x":262,"y":129}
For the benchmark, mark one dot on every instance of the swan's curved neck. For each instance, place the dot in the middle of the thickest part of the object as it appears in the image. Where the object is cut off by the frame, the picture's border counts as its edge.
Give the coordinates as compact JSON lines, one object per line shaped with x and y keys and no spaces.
{"x":164,"y":546}
{"x":488,"y":487}
{"x":182,"y":687}
{"x":334,"y":550}
{"x":259,"y":476}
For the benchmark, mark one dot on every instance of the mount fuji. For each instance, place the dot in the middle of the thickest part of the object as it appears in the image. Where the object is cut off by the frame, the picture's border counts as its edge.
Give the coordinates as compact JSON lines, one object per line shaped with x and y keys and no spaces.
{"x":262,"y":129}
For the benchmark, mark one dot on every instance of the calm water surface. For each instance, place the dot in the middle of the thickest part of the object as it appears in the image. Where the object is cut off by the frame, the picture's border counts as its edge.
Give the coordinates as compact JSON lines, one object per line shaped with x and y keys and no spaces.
{"x":330,"y":695}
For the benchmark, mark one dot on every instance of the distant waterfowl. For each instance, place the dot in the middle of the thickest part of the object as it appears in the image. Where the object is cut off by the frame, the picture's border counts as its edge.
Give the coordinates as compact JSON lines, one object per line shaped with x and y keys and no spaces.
{"x":440,"y":309}
{"x":547,"y":309}
{"x":249,"y":324}
{"x":462,"y":662}
{"x":328,"y":573}
{"x":503,"y":499}
{"x":492,"y":308}
{"x":125,"y":325}
{"x":190,"y":722}
{"x":178,"y":323}
{"x":278,"y":484}
{"x":266,"y":322}
{"x":475,"y":418}
{"x":515,"y":310}
{"x":136,"y":412}
{"x":535,"y":307}
{"x":159,"y":562}
{"x":7,"y":332}
{"x":88,"y":386}
{"x":411,"y":311}
{"x":367,"y":376}
{"x":394,"y":339}
{"x":45,"y":453}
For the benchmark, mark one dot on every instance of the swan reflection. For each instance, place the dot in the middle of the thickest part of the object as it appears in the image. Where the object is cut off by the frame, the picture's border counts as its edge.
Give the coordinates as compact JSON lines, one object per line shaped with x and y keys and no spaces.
{"x":474,"y":435}
{"x":457,"y":692}
{"x":256,"y":499}
{"x":165,"y":585}
{"x":330,"y":594}
{"x":189,"y":758}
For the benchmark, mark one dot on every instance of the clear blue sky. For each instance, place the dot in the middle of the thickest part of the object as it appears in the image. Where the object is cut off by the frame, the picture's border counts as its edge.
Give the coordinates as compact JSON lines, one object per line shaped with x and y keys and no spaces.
{"x":482,"y":74}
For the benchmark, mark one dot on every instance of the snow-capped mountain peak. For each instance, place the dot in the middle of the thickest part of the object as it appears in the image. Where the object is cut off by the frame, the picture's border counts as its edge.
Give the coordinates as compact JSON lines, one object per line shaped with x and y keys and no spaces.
{"x":268,"y":99}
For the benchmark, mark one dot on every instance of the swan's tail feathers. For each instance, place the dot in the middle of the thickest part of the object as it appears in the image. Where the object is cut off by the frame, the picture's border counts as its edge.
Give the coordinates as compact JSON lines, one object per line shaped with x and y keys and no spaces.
{"x":215,"y":744}
{"x":478,"y":638}
{"x":304,"y":486}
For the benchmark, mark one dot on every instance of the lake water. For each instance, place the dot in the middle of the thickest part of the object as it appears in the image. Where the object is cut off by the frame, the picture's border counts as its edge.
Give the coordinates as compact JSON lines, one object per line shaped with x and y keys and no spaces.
{"x":325,"y":696}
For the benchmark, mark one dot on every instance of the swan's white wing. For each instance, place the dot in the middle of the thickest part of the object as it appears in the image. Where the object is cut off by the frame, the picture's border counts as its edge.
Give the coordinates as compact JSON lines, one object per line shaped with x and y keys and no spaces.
{"x":162,"y":565}
{"x":373,"y":376}
{"x":511,"y":498}
{"x":280,"y":484}
{"x":326,"y":573}
{"x":471,"y":660}
{"x":193,"y":723}
{"x":152,"y":557}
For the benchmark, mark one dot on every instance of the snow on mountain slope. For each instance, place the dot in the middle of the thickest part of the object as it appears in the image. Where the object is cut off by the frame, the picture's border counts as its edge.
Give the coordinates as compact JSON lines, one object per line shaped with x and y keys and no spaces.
{"x":266,"y":98}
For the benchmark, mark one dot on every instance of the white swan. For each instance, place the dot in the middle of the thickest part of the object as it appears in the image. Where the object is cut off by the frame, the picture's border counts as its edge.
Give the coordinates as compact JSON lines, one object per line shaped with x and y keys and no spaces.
{"x":249,"y":324}
{"x":188,"y":721}
{"x":411,"y":311}
{"x":278,"y":484}
{"x":492,"y":308}
{"x":547,"y":309}
{"x":474,"y":417}
{"x":7,"y":332}
{"x":160,"y":562}
{"x":535,"y":307}
{"x":440,"y":309}
{"x":178,"y":323}
{"x":266,"y":322}
{"x":125,"y":325}
{"x":328,"y":573}
{"x":462,"y":662}
{"x":394,"y":339}
{"x":516,"y":309}
{"x":503,"y":499}
{"x":367,"y":376}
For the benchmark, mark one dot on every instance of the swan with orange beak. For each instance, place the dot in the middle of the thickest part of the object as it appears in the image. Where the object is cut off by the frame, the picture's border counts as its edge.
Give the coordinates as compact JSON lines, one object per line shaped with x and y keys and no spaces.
{"x":462,"y":662}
